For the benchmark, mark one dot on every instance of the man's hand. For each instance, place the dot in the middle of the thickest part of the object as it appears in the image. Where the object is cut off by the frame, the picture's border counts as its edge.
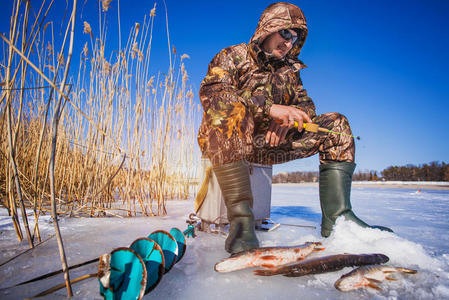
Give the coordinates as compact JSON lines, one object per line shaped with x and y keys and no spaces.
{"x":284,"y":118}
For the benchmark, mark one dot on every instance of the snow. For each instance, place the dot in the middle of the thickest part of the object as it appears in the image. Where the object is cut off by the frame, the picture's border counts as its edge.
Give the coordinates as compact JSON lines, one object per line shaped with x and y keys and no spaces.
{"x":420,"y":221}
{"x":421,"y":183}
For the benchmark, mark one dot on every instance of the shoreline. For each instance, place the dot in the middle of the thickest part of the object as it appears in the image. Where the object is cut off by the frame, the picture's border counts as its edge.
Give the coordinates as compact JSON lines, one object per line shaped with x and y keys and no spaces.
{"x":387,"y":184}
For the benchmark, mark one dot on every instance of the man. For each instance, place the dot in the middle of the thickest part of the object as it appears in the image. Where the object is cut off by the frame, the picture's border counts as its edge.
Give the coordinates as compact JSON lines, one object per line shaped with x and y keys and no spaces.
{"x":252,"y":96}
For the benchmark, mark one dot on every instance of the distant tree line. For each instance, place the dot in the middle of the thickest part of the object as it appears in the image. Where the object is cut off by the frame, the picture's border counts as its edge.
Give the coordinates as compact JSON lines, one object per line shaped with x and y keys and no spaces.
{"x":365,"y":176}
{"x":434,"y":171}
{"x":295,"y":177}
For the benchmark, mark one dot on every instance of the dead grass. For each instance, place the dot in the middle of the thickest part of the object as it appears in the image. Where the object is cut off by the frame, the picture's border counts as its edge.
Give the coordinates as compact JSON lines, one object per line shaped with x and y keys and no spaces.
{"x":125,"y":139}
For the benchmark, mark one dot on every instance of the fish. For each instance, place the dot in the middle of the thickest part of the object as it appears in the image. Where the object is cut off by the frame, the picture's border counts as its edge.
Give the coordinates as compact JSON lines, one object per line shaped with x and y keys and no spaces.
{"x":324,"y":264}
{"x":368,"y":276}
{"x":266,"y":257}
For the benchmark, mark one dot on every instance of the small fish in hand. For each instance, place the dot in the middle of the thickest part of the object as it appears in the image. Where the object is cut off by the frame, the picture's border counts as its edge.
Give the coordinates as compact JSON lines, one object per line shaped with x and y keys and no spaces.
{"x":266,"y":257}
{"x":368,"y":276}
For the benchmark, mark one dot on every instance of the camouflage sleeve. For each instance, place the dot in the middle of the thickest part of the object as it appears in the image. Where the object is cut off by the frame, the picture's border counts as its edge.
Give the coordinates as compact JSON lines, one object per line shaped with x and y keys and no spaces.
{"x":302,"y":101}
{"x":220,"y":84}
{"x":260,"y":106}
{"x":220,"y":88}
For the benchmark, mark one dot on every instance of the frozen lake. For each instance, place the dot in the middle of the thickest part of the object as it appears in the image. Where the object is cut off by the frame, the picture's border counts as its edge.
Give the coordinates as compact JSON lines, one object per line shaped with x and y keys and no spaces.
{"x":420,"y":220}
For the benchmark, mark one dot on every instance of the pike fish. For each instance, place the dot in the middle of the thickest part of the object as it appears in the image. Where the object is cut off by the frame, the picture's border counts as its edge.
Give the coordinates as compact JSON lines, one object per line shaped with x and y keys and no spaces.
{"x":325,"y":264}
{"x":266,"y":257}
{"x":368,"y":276}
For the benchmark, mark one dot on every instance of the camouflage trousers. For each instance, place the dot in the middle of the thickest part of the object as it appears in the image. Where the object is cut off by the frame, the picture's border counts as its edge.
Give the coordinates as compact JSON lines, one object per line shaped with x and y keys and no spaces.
{"x":248,"y":143}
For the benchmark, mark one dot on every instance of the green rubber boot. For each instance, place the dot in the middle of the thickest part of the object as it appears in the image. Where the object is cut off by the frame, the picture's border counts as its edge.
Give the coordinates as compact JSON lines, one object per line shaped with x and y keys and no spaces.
{"x":233,"y":179}
{"x":335,"y":192}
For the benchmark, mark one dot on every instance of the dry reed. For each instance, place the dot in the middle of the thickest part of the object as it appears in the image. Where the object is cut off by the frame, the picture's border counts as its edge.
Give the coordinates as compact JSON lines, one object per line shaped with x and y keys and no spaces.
{"x":125,"y":143}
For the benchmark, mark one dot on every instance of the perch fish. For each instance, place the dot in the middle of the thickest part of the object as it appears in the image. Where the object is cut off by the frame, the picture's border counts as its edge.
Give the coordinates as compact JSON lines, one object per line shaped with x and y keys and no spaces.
{"x":368,"y":276}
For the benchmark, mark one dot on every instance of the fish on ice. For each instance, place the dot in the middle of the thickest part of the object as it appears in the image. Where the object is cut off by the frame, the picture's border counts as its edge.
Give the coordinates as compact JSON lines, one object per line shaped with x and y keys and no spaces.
{"x":368,"y":276}
{"x":266,"y":257}
{"x":325,"y":264}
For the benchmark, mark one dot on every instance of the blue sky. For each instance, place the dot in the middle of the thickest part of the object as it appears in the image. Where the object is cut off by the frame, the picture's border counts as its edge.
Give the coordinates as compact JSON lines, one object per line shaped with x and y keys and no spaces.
{"x":383,"y":64}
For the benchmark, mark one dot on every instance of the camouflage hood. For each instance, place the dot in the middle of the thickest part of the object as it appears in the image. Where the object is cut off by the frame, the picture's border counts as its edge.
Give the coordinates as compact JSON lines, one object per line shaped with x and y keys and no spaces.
{"x":281,"y":15}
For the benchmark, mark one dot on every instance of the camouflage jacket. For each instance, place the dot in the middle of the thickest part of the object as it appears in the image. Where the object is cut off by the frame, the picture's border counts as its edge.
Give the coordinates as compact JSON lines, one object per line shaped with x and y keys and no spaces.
{"x":244,"y":77}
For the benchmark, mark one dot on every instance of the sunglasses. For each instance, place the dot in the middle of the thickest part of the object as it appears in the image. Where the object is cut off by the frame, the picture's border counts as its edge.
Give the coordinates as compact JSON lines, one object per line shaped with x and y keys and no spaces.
{"x":287,"y":35}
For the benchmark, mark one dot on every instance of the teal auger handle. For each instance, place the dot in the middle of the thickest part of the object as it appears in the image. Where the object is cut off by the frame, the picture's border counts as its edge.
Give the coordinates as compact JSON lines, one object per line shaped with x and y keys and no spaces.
{"x":190,"y":231}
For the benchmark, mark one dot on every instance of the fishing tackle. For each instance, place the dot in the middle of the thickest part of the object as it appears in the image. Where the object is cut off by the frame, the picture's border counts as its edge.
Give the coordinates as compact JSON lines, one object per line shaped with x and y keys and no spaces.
{"x":312,"y":127}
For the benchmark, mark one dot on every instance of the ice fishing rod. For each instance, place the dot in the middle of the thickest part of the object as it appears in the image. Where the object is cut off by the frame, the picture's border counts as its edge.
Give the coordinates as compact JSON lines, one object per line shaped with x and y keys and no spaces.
{"x":312,"y":127}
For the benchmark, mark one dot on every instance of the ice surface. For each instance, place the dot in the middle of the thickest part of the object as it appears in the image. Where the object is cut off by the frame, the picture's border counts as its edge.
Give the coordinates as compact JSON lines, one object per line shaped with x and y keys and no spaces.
{"x":420,"y":221}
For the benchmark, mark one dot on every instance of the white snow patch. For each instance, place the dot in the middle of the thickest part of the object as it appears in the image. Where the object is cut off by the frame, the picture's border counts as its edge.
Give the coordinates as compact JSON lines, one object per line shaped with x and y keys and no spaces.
{"x":348,"y":237}
{"x":441,"y":291}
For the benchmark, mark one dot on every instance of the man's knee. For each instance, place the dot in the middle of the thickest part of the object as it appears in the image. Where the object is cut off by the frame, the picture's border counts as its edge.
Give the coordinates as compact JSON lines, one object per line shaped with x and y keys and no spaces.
{"x":334,"y":116}
{"x":342,"y":118}
{"x":335,"y":121}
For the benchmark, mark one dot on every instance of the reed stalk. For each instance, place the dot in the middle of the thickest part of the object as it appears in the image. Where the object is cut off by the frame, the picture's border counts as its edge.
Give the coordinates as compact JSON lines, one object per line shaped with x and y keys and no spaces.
{"x":56,"y":119}
{"x":117,"y":108}
{"x":12,"y":155}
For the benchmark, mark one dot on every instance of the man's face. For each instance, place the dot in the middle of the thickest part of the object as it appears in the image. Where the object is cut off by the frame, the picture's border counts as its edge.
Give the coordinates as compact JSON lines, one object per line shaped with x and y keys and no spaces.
{"x":278,"y":46}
